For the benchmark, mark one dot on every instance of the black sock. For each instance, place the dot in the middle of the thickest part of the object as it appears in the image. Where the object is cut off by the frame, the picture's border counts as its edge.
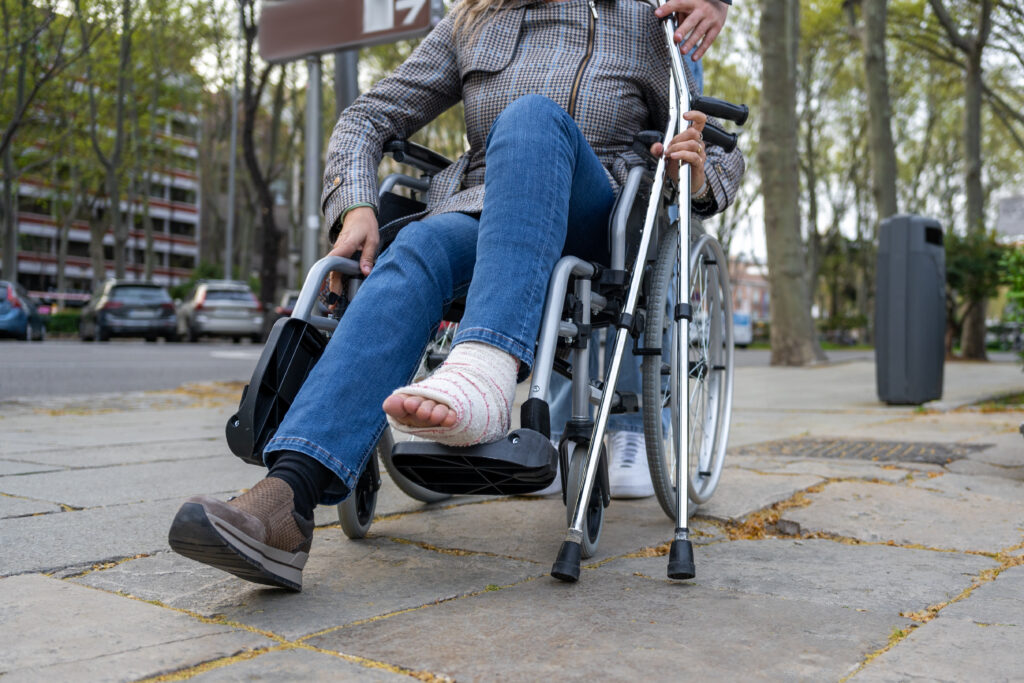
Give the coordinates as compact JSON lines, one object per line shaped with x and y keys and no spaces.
{"x":307,"y":477}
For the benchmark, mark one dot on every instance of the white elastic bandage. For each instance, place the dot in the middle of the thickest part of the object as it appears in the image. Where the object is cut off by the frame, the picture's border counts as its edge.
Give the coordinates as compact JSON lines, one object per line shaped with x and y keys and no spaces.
{"x":478,"y":382}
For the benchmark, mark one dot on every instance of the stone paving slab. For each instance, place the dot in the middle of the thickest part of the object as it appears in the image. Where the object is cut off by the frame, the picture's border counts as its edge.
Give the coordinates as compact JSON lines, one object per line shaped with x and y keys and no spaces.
{"x":296,"y":665}
{"x":14,"y":467}
{"x":876,"y":578}
{"x":11,"y":506}
{"x":890,"y":472}
{"x":977,"y":639}
{"x":46,"y":432}
{"x":530,"y":529}
{"x":344,"y":581}
{"x":960,"y":486}
{"x":908,"y":515}
{"x":123,"y":454}
{"x":1007,"y":448}
{"x":92,"y":487}
{"x":741,"y":492}
{"x":614,"y":627}
{"x":55,"y":630}
{"x":82,"y":537}
{"x":973,"y":467}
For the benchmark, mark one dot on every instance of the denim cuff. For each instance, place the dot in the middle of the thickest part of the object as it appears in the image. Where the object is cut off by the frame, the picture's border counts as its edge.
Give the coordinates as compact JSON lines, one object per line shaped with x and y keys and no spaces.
{"x":344,"y":479}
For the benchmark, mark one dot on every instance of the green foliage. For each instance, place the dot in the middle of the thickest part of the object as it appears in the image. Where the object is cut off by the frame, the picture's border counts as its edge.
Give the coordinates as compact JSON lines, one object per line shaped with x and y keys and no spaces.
{"x":65,"y":322}
{"x":204,"y":271}
{"x":1012,"y":266}
{"x":973,"y":264}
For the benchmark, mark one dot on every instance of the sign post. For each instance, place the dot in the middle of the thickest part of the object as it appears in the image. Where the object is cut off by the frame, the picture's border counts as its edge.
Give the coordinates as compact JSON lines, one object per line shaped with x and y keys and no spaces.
{"x":295,"y":29}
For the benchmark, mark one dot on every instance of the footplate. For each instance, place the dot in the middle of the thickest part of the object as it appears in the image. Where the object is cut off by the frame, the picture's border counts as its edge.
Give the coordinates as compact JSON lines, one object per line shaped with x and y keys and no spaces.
{"x":523,"y":462}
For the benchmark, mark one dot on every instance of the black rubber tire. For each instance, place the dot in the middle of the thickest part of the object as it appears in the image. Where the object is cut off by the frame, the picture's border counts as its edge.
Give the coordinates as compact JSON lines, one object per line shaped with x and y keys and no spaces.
{"x":355,"y":513}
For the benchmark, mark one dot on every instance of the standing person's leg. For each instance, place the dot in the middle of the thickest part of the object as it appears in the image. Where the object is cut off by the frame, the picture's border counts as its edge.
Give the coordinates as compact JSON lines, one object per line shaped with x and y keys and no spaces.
{"x":330,"y":430}
{"x":545,"y":190}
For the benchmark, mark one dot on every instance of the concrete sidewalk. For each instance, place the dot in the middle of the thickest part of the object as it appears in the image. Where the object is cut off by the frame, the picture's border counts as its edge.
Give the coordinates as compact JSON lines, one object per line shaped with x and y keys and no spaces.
{"x":848,"y":540}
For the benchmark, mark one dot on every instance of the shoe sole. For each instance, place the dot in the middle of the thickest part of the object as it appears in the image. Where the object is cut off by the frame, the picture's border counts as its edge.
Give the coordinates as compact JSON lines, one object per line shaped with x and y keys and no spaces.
{"x":626,"y":493}
{"x":205,"y":538}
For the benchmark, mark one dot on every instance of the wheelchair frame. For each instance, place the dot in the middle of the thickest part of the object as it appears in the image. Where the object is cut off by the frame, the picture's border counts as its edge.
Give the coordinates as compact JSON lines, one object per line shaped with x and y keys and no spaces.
{"x":607,"y":296}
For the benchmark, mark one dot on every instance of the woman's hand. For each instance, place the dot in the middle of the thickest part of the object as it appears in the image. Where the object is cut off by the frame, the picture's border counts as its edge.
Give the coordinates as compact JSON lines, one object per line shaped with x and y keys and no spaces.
{"x":702,"y":20}
{"x":358,"y":233}
{"x":688,"y":148}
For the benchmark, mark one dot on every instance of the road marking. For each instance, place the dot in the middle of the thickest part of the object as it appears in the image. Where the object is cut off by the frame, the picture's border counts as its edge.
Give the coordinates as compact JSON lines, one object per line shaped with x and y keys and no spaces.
{"x":236,"y":355}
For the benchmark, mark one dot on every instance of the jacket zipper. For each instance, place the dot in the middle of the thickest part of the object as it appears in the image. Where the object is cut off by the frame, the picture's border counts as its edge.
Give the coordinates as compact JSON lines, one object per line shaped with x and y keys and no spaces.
{"x":586,"y":59}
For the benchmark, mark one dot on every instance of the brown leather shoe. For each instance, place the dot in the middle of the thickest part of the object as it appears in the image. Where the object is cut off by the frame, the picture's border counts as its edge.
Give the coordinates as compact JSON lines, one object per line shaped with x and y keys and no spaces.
{"x":257,"y":536}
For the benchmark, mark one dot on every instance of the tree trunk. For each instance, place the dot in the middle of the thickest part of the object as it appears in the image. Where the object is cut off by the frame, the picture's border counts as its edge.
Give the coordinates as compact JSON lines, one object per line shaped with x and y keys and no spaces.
{"x":972,"y":340}
{"x":10,"y":209}
{"x":792,"y":334}
{"x":115,"y":171}
{"x":97,"y":232}
{"x":883,"y":151}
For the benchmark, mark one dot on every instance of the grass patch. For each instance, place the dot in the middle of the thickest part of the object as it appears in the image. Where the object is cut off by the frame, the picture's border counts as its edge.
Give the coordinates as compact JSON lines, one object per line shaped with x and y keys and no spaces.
{"x":999,"y":404}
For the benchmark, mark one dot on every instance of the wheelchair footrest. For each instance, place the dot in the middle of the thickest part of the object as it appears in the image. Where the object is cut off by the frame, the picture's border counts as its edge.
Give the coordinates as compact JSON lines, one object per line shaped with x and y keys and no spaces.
{"x":523,"y":462}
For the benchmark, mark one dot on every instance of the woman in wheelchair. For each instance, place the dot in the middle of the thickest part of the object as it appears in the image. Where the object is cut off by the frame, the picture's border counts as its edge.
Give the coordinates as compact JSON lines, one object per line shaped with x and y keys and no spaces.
{"x":554,"y":92}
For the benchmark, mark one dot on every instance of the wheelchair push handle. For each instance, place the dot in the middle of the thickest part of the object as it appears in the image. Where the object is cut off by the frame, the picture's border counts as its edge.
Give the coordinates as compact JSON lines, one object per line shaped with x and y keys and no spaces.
{"x":423,"y":158}
{"x":720,"y":109}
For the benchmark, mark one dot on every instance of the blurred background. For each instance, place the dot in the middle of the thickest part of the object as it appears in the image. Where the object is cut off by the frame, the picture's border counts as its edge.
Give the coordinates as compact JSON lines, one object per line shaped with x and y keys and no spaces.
{"x":123,"y":123}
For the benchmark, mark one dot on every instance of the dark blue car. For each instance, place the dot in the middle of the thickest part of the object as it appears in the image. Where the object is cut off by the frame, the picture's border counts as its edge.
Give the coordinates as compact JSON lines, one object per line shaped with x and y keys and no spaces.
{"x":19,"y":316}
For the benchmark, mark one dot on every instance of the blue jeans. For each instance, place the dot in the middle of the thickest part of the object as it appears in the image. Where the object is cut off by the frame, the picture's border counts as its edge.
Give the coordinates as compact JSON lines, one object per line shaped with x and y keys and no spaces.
{"x":546,"y":194}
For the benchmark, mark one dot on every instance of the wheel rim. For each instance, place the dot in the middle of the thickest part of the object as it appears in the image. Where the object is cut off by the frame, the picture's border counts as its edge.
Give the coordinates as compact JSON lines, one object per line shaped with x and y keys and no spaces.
{"x":708,"y":370}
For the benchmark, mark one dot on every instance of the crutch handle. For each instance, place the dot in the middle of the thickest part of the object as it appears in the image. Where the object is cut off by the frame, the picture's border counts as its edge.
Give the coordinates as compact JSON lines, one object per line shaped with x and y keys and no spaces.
{"x":720,"y":109}
{"x":716,"y":136}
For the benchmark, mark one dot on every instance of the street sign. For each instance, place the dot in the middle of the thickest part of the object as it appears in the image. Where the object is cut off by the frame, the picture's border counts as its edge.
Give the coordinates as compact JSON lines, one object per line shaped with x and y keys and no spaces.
{"x":290,"y":29}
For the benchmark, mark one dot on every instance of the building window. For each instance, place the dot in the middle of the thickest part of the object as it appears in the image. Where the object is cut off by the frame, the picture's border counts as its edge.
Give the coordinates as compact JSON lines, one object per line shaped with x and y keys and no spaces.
{"x":179,"y":194}
{"x":182,"y":261}
{"x":183,"y":229}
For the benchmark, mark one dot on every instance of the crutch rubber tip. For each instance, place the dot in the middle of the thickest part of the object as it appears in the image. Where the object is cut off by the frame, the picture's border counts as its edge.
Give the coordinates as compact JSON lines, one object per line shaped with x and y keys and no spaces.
{"x":567,"y":566}
{"x":680,"y":560}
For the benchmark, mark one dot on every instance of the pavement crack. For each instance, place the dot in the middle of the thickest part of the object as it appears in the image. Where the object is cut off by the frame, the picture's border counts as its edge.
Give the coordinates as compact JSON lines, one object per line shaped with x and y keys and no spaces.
{"x":490,"y":588}
{"x":1006,"y":560}
{"x":209,"y":665}
{"x":419,"y":675}
{"x":458,"y":552}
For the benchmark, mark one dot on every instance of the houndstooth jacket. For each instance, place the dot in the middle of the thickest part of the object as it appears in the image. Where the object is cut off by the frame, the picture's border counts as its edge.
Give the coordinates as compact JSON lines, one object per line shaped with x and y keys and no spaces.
{"x":615,"y":49}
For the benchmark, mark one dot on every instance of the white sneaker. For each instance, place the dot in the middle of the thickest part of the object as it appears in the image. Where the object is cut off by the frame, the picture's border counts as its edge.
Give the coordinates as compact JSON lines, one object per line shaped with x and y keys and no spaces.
{"x":628,"y":475}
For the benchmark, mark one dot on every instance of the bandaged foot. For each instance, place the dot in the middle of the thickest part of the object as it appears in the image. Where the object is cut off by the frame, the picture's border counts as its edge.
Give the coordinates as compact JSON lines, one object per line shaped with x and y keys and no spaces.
{"x":466,"y":401}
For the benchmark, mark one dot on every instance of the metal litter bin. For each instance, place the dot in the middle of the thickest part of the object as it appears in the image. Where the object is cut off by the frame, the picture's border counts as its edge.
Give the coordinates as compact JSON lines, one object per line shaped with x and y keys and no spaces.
{"x":910,"y":310}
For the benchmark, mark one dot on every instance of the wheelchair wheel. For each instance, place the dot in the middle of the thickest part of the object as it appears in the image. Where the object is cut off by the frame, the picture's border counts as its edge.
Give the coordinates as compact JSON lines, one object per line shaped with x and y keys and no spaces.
{"x":575,"y":455}
{"x":709,"y":368}
{"x":356,"y":512}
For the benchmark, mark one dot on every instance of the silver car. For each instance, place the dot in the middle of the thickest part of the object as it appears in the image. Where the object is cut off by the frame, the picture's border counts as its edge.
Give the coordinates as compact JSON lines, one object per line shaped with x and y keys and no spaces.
{"x":221,"y":308}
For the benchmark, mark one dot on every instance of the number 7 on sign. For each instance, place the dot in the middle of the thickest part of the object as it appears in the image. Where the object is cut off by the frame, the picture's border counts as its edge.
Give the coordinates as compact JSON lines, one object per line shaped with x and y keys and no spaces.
{"x":379,"y":15}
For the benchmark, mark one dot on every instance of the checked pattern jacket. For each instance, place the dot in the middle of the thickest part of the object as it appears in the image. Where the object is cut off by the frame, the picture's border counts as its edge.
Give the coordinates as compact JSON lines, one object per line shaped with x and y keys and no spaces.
{"x":604,"y":61}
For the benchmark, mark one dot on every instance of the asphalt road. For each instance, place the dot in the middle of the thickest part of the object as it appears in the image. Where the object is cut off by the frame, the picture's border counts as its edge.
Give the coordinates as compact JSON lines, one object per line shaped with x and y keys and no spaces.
{"x":67,"y":368}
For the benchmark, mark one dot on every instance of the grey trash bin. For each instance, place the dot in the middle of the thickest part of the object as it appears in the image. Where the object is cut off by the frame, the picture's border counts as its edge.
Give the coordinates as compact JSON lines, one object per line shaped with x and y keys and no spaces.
{"x":910,"y":310}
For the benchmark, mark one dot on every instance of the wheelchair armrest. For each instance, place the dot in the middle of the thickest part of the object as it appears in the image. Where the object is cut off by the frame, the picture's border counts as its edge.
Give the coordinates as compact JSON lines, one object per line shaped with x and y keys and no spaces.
{"x":427,"y":160}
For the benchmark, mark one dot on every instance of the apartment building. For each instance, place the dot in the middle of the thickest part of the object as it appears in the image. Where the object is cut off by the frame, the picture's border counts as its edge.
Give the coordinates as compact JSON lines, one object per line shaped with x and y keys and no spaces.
{"x":174,"y":196}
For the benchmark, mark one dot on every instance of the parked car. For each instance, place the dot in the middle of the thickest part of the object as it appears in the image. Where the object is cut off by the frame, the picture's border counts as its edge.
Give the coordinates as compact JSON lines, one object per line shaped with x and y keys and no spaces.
{"x":128,"y":308}
{"x":287,"y":305}
{"x":221,"y":308}
{"x":742,"y":329}
{"x":19,"y":313}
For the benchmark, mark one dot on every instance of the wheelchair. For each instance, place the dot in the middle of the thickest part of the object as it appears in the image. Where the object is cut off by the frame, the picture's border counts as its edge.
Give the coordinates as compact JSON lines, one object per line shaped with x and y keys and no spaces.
{"x":666,"y":294}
